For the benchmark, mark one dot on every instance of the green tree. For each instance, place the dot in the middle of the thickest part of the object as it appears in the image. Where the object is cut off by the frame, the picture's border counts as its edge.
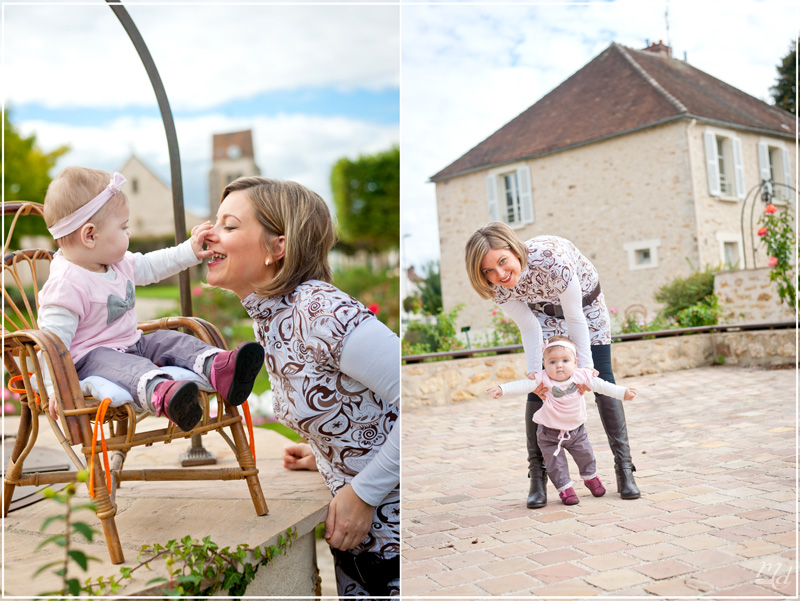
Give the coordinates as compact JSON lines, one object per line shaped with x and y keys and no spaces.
{"x":366,"y":193}
{"x":26,"y":174}
{"x":430,"y":289}
{"x":784,"y":92}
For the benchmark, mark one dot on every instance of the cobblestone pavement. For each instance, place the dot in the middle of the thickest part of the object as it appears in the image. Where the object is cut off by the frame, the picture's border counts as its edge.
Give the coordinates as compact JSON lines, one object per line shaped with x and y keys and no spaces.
{"x":715,"y":452}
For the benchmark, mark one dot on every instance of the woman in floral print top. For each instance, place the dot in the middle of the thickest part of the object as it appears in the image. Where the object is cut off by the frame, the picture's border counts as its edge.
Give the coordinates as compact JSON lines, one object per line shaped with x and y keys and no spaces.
{"x":334,"y":368}
{"x":548,"y":287}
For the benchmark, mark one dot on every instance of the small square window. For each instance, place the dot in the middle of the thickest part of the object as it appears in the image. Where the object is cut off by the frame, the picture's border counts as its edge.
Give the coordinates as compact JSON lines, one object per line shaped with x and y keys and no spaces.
{"x":642,"y":254}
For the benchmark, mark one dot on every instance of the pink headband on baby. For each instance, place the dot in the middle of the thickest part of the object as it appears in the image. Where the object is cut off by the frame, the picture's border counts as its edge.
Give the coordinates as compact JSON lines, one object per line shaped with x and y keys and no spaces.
{"x":72,"y":222}
{"x":564,"y":343}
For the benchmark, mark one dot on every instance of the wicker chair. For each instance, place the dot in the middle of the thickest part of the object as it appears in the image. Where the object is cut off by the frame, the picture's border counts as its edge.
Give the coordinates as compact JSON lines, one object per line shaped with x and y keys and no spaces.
{"x":21,"y":342}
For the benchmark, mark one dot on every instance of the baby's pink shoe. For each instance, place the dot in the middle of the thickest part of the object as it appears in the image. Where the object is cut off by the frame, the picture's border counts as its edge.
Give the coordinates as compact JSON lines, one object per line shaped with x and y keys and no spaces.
{"x":177,"y":399}
{"x":594,"y":485}
{"x":568,"y":496}
{"x":233,"y":373}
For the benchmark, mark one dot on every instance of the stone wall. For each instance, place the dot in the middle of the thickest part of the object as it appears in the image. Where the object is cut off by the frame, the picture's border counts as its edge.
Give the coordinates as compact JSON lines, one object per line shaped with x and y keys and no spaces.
{"x":747,"y":296}
{"x":443,"y":382}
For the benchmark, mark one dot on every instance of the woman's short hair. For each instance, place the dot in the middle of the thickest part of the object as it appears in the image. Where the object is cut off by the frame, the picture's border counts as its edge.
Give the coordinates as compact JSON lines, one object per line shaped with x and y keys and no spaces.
{"x":73,"y":188}
{"x":285,"y":208}
{"x":493,"y":235}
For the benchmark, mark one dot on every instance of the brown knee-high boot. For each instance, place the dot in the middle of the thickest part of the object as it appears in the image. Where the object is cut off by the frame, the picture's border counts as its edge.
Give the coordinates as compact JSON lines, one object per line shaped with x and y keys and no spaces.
{"x":537,"y":496}
{"x":612,"y":416}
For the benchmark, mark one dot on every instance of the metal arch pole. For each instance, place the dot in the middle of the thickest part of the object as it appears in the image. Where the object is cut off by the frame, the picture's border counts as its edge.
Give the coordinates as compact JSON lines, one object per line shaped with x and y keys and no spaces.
{"x":172,"y":141}
{"x":196,"y":455}
{"x":741,"y":224}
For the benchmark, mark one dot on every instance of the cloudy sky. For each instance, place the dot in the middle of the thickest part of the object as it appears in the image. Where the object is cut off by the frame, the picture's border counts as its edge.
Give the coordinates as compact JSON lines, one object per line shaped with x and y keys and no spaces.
{"x":469,"y":69}
{"x":314,"y":83}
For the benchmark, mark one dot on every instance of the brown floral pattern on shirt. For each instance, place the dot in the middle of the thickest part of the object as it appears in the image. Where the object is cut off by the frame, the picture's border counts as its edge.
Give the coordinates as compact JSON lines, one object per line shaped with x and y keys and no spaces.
{"x":552,"y":263}
{"x":344,"y":422}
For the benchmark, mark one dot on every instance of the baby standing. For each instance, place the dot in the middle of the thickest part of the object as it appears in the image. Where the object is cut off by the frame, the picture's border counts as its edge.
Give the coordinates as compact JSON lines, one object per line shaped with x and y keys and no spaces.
{"x":88,"y":302}
{"x":563,"y":413}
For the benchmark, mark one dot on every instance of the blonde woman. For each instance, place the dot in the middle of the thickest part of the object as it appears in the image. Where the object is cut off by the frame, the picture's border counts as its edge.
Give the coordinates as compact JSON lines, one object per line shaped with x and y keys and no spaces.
{"x":334,"y":368}
{"x":550,"y":289}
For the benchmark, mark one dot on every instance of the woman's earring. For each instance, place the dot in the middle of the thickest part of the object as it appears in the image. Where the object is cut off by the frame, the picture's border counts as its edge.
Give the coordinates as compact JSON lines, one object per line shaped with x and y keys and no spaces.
{"x":266,"y":263}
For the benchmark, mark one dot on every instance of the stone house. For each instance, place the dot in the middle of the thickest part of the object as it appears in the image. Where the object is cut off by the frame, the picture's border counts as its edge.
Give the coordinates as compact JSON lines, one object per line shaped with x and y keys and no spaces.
{"x":151,"y":202}
{"x":232,"y":157}
{"x":646,"y":163}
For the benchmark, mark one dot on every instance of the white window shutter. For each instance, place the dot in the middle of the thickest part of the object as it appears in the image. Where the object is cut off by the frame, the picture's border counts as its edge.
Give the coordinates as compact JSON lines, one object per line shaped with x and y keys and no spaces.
{"x":525,"y":193}
{"x":787,"y":174}
{"x":738,"y":167}
{"x":712,"y":165}
{"x":491,"y":197}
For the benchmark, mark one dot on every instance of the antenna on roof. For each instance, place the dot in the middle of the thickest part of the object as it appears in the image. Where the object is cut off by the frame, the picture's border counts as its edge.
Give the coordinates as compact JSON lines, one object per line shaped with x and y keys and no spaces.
{"x":666,"y":19}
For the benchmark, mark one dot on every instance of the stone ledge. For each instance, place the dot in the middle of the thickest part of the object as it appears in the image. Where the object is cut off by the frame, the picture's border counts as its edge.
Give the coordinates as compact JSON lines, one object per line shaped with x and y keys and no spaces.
{"x":443,"y":382}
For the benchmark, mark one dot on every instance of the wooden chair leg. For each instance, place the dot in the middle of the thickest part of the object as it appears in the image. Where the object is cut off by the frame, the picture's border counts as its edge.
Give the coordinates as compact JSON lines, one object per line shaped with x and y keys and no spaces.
{"x":106,"y":510}
{"x":246,"y":462}
{"x":14,"y":469}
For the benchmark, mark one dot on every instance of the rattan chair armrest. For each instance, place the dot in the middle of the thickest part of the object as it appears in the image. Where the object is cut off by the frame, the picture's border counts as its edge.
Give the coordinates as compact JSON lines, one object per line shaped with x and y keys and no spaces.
{"x":67,"y":388}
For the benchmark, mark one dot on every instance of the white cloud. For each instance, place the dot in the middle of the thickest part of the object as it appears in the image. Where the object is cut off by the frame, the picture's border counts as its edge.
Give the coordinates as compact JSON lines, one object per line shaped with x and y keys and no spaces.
{"x":468,"y":70}
{"x":80,"y":55}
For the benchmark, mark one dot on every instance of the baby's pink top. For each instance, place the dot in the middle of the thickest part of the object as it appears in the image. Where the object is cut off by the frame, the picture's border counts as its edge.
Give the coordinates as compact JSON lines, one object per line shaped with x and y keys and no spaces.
{"x":89,"y":296}
{"x":567,"y":411}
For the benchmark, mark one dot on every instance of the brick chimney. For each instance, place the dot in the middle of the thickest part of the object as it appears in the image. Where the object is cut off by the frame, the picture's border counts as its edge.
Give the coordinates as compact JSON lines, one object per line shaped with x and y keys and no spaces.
{"x":659,"y":48}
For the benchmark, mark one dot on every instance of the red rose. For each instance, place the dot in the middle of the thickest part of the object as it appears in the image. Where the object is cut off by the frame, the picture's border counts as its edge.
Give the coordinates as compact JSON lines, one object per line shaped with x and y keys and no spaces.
{"x":770,"y":208}
{"x":374,"y":308}
{"x":762,"y":231}
{"x":772,"y":261}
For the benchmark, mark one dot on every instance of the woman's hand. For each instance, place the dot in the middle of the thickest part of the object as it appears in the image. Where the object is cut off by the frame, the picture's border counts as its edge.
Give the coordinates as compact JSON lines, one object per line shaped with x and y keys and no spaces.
{"x":541,"y":389}
{"x":349,"y":520}
{"x":199,"y":234}
{"x":299,"y":457}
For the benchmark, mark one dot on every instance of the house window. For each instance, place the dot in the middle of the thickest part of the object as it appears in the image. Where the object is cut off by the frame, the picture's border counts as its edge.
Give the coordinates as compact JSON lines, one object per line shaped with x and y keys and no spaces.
{"x":642,"y":254}
{"x":773,"y":163}
{"x":135,"y":185}
{"x":510,"y":197}
{"x":512,"y":208}
{"x":724,"y":166}
{"x":730,"y":250}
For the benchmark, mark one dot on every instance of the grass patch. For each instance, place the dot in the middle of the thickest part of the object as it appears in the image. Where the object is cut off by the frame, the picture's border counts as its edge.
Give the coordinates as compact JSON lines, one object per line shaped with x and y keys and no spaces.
{"x":283,"y":431}
{"x":161,"y":292}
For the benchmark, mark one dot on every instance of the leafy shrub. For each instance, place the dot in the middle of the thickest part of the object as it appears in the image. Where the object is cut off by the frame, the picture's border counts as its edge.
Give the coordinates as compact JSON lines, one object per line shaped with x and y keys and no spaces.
{"x":504,"y":331}
{"x":421,"y":337}
{"x":682,"y":293}
{"x":704,"y":313}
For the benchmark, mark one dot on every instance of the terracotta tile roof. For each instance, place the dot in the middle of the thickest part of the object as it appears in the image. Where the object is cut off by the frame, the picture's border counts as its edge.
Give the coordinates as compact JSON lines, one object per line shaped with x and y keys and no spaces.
{"x":619,"y":91}
{"x":242,"y":139}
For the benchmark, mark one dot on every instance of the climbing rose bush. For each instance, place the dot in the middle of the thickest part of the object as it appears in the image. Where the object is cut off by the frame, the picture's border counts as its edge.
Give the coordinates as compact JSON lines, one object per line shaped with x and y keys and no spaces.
{"x":778,"y":238}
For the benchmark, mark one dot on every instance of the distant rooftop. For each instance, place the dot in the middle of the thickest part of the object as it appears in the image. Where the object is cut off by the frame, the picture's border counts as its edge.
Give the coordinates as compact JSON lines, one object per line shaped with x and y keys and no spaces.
{"x":619,"y":91}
